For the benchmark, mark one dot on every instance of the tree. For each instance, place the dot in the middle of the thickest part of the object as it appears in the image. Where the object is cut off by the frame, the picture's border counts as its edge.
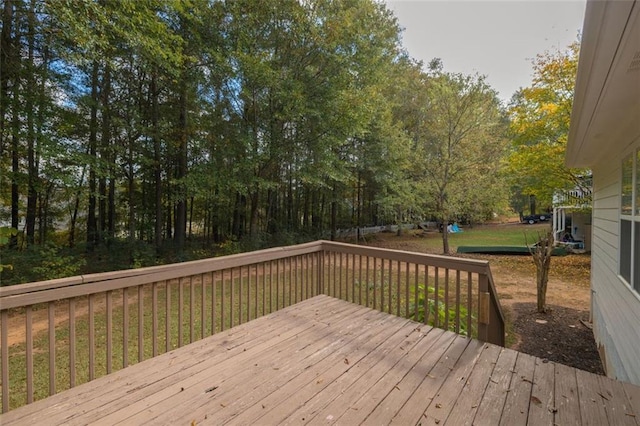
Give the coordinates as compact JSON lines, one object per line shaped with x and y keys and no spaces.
{"x":541,"y":254}
{"x":460,"y":142}
{"x":539,"y":128}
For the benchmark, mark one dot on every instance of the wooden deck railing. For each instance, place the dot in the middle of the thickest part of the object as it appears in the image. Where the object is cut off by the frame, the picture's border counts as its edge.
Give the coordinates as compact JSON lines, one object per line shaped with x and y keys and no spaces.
{"x":57,"y":334}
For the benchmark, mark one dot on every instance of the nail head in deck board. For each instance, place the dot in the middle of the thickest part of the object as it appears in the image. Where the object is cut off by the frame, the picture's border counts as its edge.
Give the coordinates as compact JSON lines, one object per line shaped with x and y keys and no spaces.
{"x":276,"y":338}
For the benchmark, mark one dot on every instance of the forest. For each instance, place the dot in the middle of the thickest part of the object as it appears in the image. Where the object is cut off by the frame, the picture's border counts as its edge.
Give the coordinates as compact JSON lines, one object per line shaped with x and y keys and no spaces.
{"x":141,"y":132}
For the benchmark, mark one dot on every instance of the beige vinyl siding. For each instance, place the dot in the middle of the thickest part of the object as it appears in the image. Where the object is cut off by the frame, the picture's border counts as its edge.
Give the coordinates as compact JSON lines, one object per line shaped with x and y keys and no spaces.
{"x":615,"y":306}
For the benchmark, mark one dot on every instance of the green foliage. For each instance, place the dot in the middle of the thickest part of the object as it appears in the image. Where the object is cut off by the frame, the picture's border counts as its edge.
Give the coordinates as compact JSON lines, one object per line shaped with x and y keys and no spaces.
{"x":54,"y":263}
{"x":459,"y":141}
{"x":540,"y":116}
{"x":5,"y":234}
{"x":439,"y":309}
{"x":150,"y":127}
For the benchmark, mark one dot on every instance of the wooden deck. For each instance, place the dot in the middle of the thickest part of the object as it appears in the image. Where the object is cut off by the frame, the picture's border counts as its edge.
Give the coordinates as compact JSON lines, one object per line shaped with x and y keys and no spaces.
{"x":328,"y":361}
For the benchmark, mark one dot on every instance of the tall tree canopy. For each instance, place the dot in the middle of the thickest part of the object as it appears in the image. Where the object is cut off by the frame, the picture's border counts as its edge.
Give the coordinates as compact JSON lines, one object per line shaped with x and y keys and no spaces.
{"x":158,"y":123}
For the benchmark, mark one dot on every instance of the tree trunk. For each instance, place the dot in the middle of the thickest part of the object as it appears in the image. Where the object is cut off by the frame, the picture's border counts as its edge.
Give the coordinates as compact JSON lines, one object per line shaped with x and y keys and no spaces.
{"x":334,"y":216}
{"x":32,"y":167}
{"x":181,"y":171}
{"x":157,"y":162}
{"x":92,"y":235}
{"x":542,"y":258}
{"x":15,"y":165}
{"x":106,"y":151}
{"x":6,"y":67}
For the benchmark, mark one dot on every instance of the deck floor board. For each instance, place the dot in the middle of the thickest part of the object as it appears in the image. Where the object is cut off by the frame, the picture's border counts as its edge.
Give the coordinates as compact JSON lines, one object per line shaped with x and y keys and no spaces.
{"x":325,"y":361}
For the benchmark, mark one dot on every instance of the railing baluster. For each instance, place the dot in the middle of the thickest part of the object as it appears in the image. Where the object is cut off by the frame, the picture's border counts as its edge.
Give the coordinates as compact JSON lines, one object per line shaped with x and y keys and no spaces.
{"x":214,"y":290}
{"x":375,"y":274}
{"x":426,"y":294}
{"x":335,"y":274}
{"x":72,"y":342}
{"x":167,"y":315}
{"x":446,"y":299}
{"x":353,"y":278}
{"x":109,"y":297}
{"x":222,"y":297}
{"x":92,"y":348}
{"x":390,"y":285}
{"x":264,"y":288}
{"x":304,"y":274}
{"x":346,"y":278}
{"x":257,"y":292}
{"x":291,"y":283}
{"x":203,"y":307}
{"x":240,"y":295}
{"x":140,"y":323}
{"x":382,"y":262}
{"x":457,"y":301}
{"x":192,"y":309}
{"x":4,"y":339}
{"x":359,"y":279}
{"x":248,"y":292}
{"x":341,"y":272}
{"x":436,"y":297}
{"x":270,"y":286}
{"x":154,"y":323}
{"x":125,"y":327}
{"x":398,"y":285}
{"x":367,"y":283}
{"x":469,"y":302}
{"x":29,"y":348}
{"x":180,"y":308}
{"x":406,"y":291}
{"x":232,"y":298}
{"x":52,"y":348}
{"x":295,"y":282}
{"x":277,"y":284}
{"x":415,"y":294}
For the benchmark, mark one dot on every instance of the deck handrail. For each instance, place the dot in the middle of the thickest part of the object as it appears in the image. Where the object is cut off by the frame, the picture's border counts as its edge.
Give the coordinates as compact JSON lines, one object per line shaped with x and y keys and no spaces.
{"x":180,"y":303}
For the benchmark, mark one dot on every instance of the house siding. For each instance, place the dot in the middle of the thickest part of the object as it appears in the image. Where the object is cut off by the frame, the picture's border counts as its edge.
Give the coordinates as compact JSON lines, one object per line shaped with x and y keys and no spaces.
{"x":615,"y":306}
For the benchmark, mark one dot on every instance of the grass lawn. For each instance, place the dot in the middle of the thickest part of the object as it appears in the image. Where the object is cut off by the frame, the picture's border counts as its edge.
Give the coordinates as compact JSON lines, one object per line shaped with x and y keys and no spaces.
{"x":485,"y":235}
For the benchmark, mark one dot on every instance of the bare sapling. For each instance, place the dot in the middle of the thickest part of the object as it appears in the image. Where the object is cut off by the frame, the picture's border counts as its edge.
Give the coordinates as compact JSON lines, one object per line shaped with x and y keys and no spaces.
{"x":541,"y":254}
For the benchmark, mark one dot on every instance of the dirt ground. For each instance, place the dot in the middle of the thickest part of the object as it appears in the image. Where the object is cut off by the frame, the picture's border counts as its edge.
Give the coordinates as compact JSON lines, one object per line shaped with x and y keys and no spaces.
{"x":563,"y":334}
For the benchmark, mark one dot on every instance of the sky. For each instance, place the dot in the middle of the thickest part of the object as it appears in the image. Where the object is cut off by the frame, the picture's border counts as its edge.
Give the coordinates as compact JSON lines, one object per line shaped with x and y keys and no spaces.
{"x":498,"y":39}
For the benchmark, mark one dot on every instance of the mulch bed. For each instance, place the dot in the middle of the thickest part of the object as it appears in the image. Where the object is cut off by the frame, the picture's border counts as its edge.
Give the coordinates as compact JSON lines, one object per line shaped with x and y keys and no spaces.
{"x":557,"y":335}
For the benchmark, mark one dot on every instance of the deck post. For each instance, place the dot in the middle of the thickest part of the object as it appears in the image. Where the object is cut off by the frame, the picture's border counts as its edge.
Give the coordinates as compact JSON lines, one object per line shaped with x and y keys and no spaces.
{"x":483,"y":315}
